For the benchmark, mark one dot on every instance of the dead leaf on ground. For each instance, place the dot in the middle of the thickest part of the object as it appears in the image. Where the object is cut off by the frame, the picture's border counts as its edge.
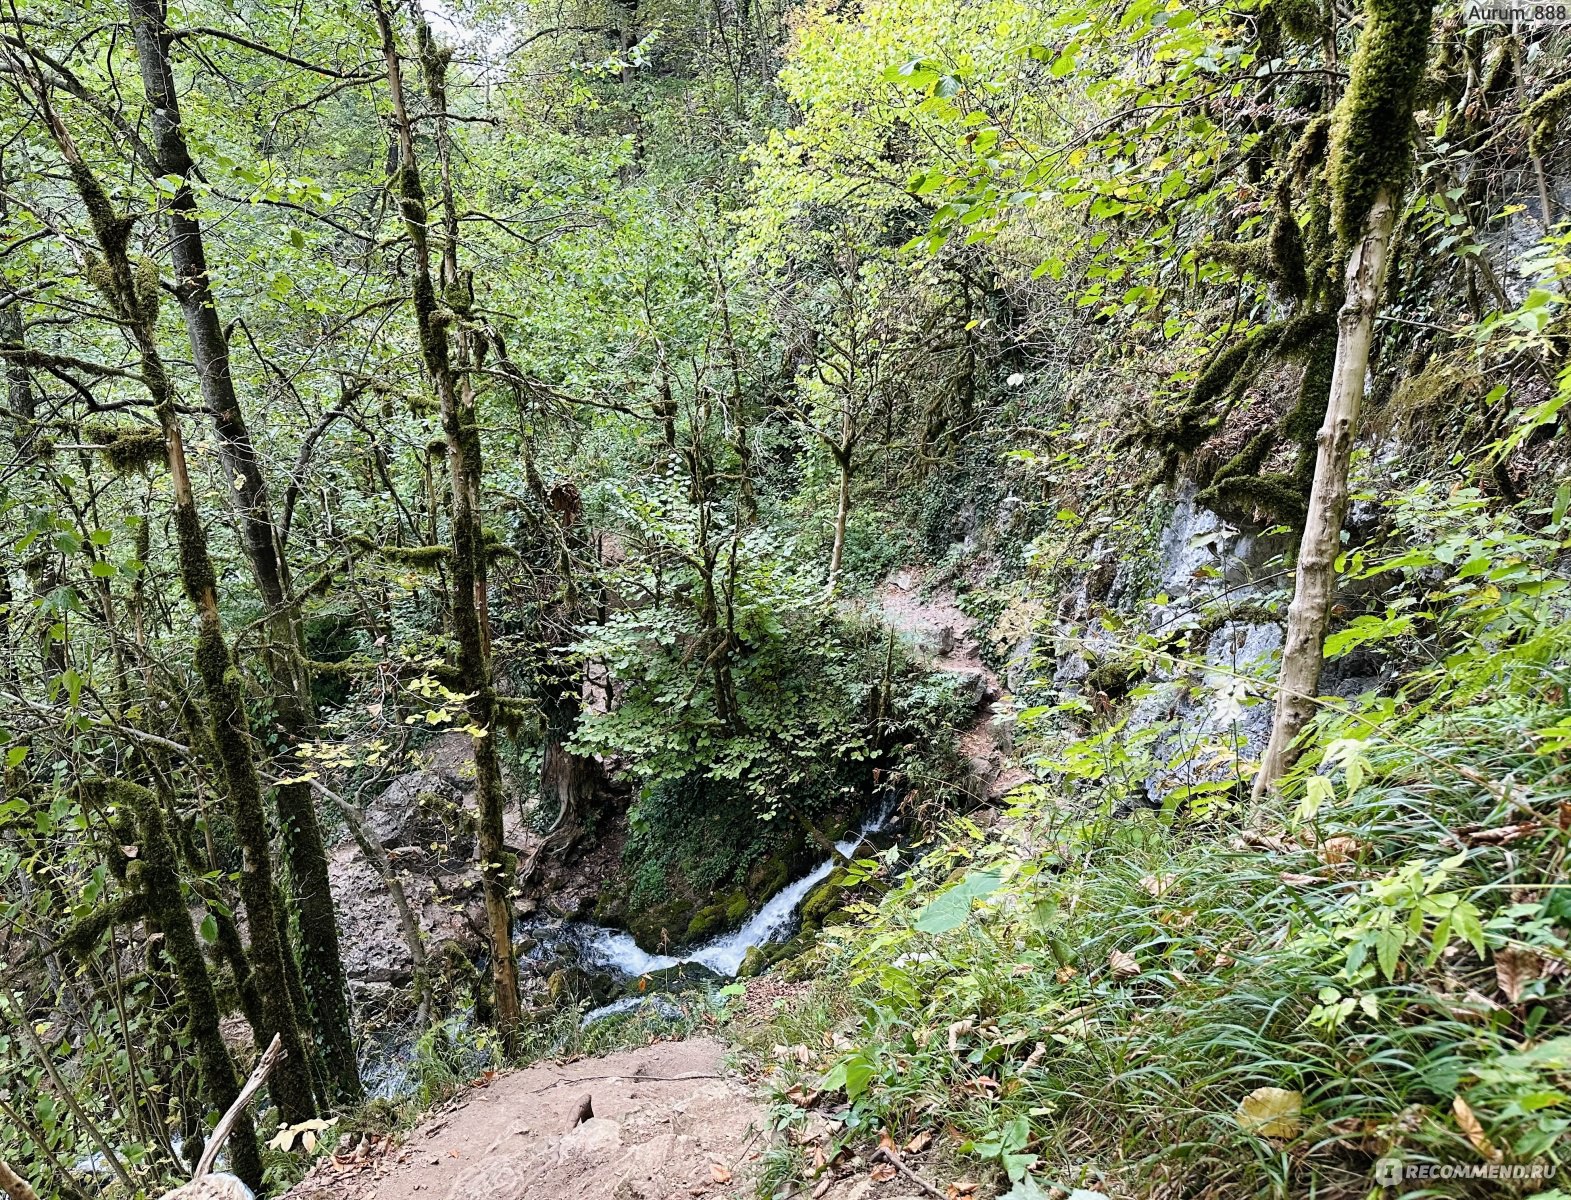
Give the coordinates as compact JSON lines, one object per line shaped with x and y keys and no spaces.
{"x":1294,"y":879}
{"x":1271,"y":1112}
{"x":882,"y":1173}
{"x":1266,"y":841}
{"x":1065,"y":974}
{"x":962,"y":1187}
{"x":1155,"y":885}
{"x":920,"y":1142}
{"x":1501,"y":835}
{"x":1515,"y":969}
{"x":1123,"y":965}
{"x":719,"y":1173}
{"x":1340,"y":850}
{"x":1468,"y":1122}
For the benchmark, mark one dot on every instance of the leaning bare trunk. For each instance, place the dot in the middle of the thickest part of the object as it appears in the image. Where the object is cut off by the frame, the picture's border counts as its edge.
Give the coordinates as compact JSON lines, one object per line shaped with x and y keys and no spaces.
{"x":1315,"y":585}
{"x":13,"y":1185}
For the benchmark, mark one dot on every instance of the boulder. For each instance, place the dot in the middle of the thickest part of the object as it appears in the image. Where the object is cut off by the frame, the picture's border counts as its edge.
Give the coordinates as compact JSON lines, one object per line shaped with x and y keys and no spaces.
{"x":410,"y":811}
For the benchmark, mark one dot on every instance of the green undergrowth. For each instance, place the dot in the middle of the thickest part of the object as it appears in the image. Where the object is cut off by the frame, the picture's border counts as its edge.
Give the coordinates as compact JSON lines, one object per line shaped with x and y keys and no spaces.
{"x":1272,"y":998}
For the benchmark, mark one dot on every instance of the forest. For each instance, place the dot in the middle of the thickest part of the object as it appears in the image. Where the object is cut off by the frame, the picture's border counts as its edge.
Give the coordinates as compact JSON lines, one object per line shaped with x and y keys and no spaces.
{"x":976,"y":589}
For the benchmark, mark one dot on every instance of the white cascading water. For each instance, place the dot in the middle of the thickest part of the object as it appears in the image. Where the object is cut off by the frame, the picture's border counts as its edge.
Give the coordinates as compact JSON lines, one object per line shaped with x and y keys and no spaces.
{"x":614,"y":950}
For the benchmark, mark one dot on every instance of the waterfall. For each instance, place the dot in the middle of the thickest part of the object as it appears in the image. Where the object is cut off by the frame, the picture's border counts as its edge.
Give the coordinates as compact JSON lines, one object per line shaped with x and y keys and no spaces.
{"x":616,"y":951}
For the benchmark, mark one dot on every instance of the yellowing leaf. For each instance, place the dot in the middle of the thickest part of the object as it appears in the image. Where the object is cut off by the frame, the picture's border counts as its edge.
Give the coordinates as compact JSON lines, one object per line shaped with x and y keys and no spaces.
{"x":1469,"y":1124}
{"x":1271,"y":1112}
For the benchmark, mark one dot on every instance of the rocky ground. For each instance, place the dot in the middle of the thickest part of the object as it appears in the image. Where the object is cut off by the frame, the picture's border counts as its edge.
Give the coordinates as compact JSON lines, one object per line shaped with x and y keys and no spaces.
{"x":933,"y":620}
{"x":667,"y":1121}
{"x":663,"y":1121}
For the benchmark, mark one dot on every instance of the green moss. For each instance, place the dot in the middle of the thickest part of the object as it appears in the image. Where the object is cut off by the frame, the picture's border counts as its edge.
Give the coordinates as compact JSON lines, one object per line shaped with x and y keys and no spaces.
{"x":768,"y":877}
{"x":1302,"y":20}
{"x":1309,"y":152}
{"x":148,"y":292}
{"x":1251,"y":257}
{"x":128,"y":448}
{"x":1423,"y":401}
{"x":1286,"y":248}
{"x":736,"y":908}
{"x":1276,"y":492}
{"x":1372,"y":135}
{"x":659,"y":927}
{"x":1543,"y":115}
{"x":82,"y":936}
{"x":1114,"y":676}
{"x":1302,"y":423}
{"x":706,"y":922}
{"x":824,"y":899}
{"x":421,"y":557}
{"x":196,"y":568}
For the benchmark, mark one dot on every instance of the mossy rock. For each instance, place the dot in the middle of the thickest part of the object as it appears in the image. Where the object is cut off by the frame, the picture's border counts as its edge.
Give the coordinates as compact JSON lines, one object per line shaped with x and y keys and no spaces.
{"x":660,"y":926}
{"x":610,"y":905}
{"x":754,"y":962}
{"x":824,"y":899}
{"x":682,"y":977}
{"x":736,"y":908}
{"x":767,"y":877}
{"x":707,"y":922}
{"x":569,"y":985}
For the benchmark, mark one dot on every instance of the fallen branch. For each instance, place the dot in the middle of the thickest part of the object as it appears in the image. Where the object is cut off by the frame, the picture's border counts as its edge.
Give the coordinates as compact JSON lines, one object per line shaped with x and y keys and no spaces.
{"x":898,"y":1163}
{"x":270,"y":1058}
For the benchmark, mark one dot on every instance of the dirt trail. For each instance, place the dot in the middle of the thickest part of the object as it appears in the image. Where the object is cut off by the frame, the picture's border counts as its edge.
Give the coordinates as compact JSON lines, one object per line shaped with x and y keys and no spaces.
{"x":669,"y":1121}
{"x":950,"y":637}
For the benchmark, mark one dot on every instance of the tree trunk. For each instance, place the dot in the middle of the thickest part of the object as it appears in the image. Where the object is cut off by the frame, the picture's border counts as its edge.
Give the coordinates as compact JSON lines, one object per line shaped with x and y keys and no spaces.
{"x":13,"y":1185}
{"x":1314,"y":587}
{"x":842,"y":516}
{"x":134,"y":298}
{"x":160,"y":882}
{"x":466,"y":467}
{"x":321,"y":961}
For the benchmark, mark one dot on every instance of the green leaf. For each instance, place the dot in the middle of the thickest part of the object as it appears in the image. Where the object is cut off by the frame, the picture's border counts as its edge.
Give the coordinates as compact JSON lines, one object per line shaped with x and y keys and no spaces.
{"x":209,"y":929}
{"x":949,"y":910}
{"x":15,"y":755}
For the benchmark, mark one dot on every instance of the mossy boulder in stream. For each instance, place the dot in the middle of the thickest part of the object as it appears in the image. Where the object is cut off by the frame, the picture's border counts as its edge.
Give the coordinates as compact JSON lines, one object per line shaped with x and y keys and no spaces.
{"x":570,"y":984}
{"x":754,"y":962}
{"x":824,"y":899}
{"x":662,"y":926}
{"x":714,"y":919}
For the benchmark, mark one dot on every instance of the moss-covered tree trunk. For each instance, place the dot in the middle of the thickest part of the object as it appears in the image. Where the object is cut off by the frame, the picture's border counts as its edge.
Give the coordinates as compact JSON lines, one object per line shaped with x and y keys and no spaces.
{"x":133,"y":294}
{"x":435,"y":316}
{"x":321,"y":961}
{"x":1371,"y":159}
{"x":159,"y":879}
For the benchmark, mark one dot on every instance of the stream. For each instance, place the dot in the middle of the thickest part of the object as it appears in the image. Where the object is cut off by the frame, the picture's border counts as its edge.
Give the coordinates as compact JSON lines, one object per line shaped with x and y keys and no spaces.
{"x":389,"y":1052}
{"x":615,"y":951}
